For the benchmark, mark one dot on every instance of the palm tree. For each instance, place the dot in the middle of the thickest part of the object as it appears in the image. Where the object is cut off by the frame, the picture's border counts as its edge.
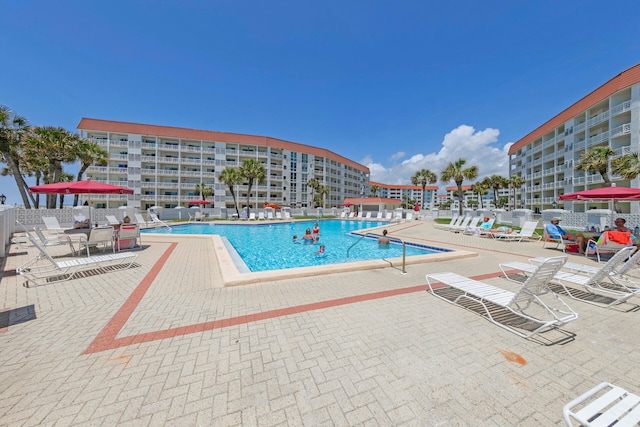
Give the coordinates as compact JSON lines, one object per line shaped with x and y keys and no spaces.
{"x":627,"y":166}
{"x":203,"y":191}
{"x":496,"y":182}
{"x":321,"y":192}
{"x":597,"y":160}
{"x":56,"y":145}
{"x":252,"y":171}
{"x":516,"y":182}
{"x":374,"y":190}
{"x":231,"y":177}
{"x":422,"y":178}
{"x":64,"y":177}
{"x":480,"y":189}
{"x":454,"y":172}
{"x":12,"y":130}
{"x":313,"y":184}
{"x":88,"y":153}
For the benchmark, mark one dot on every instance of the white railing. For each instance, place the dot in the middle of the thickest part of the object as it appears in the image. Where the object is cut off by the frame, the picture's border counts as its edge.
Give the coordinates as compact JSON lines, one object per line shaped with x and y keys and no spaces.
{"x":623,"y":129}
{"x":621,"y":108}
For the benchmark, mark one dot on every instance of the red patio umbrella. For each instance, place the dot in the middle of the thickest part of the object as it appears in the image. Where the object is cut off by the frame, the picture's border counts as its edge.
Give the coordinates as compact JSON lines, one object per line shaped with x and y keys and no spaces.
{"x":199,"y":202}
{"x":604,"y":193}
{"x":608,"y":194}
{"x":80,"y":187}
{"x":416,"y":207}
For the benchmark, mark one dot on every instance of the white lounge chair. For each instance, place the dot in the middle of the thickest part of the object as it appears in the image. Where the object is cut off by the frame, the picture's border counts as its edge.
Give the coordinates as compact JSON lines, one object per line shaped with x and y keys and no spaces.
{"x":278,"y":215}
{"x":409,"y":216}
{"x":460,"y":229}
{"x":45,"y":241}
{"x":287,"y":215}
{"x":485,"y":228}
{"x":140,"y":219}
{"x":51,"y":223}
{"x":359,"y":216}
{"x":54,"y":241}
{"x":252,"y":216}
{"x":112,"y":220}
{"x":379,"y":215}
{"x":455,"y":220}
{"x":389,"y":216}
{"x":477,"y":229}
{"x":368,"y":215}
{"x":128,"y":237}
{"x":270,"y":215}
{"x":603,"y":405}
{"x":52,"y":271}
{"x":200,"y":216}
{"x":528,"y":232}
{"x":261,"y":216}
{"x":155,"y":220}
{"x":604,"y":288}
{"x":463,"y":224}
{"x":609,"y":242}
{"x":98,"y":236}
{"x":343,"y":215}
{"x":516,"y":303}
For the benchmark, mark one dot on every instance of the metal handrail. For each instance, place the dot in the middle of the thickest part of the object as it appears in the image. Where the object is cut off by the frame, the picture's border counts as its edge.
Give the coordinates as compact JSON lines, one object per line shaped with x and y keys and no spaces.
{"x":404,"y":248}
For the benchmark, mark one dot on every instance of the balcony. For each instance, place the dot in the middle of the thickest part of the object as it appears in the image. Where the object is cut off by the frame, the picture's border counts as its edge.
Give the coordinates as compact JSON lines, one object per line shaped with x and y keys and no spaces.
{"x":598,"y":119}
{"x":621,"y":108}
{"x":623,"y":129}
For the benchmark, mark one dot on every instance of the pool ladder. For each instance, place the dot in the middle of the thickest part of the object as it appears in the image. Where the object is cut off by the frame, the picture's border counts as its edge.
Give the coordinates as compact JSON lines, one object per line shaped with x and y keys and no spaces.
{"x":404,"y":248}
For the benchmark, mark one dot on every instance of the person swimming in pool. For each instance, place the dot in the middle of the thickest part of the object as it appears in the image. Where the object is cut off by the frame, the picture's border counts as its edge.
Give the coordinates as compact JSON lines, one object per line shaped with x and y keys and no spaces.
{"x":308,"y":237}
{"x":383,"y":241}
{"x":316,"y":229}
{"x":295,"y":238}
{"x":320,"y":252}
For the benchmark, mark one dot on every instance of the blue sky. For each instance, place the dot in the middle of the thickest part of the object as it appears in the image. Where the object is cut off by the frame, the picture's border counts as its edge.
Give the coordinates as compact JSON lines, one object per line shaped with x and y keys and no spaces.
{"x":397,"y":86}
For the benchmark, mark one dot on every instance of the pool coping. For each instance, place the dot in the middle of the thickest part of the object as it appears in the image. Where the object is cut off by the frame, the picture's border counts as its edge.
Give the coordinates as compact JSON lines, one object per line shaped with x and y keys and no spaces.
{"x":231,"y":276}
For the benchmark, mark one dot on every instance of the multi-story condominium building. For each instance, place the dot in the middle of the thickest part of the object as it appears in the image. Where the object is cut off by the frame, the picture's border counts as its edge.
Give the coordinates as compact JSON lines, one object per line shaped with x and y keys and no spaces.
{"x":163,"y":165}
{"x":401,"y":192}
{"x":469,"y":195}
{"x":547,"y":157}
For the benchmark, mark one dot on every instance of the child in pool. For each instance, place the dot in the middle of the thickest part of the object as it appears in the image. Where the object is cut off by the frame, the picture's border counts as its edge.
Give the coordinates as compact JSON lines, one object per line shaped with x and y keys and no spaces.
{"x":320,"y":252}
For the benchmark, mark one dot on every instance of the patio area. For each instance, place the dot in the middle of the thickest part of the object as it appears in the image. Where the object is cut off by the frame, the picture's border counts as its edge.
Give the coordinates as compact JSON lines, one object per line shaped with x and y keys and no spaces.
{"x":165,"y":342}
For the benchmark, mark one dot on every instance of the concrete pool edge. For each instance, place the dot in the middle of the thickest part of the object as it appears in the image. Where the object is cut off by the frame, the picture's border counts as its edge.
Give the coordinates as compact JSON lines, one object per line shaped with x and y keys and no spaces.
{"x":232,"y":277}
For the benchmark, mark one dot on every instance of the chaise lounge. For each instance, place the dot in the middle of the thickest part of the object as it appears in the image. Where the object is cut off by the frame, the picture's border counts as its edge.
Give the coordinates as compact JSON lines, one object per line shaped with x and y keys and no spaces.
{"x":520,"y":303}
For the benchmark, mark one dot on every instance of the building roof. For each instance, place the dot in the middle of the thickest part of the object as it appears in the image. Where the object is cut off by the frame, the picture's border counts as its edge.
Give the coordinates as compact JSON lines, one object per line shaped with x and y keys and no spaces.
{"x":404,"y":187}
{"x":628,"y":77}
{"x":455,"y":188}
{"x":88,"y":124}
{"x":371,"y":201}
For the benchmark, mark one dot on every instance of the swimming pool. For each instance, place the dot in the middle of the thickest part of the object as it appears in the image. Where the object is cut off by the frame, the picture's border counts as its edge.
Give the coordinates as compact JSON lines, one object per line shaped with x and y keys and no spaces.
{"x":266,"y":247}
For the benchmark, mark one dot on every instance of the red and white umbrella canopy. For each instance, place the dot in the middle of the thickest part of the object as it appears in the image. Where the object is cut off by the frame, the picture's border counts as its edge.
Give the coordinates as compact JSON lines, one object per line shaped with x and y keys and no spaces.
{"x":199,"y":202}
{"x":80,"y":187}
{"x":604,"y":193}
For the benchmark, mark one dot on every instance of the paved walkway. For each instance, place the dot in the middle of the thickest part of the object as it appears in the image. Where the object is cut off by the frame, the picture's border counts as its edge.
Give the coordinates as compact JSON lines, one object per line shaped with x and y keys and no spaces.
{"x":165,"y":343}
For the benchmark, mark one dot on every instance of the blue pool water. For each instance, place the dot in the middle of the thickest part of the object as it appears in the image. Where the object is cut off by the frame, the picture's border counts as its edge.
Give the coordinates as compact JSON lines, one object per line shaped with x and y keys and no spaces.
{"x":265,"y":247}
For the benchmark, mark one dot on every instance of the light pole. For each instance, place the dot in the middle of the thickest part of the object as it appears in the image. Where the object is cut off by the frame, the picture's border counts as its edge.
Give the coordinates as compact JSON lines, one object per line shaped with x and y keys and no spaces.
{"x":554,"y":204}
{"x":3,"y":198}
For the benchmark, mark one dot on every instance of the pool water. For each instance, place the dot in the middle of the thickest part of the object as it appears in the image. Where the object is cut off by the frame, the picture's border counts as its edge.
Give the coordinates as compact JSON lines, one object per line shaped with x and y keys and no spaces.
{"x":265,"y":247}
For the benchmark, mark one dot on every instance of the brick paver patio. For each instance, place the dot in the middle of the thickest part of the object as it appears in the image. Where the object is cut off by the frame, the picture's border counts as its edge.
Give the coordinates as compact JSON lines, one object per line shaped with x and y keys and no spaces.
{"x":166,"y":343}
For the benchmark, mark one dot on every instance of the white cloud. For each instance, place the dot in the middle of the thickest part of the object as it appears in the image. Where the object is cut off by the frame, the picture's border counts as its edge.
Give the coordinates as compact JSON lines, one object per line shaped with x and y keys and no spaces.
{"x":397,"y":156}
{"x":462,"y":142}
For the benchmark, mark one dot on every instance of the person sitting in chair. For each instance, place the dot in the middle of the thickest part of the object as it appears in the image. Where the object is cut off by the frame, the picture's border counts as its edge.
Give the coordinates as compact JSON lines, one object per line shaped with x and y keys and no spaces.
{"x":554,"y":230}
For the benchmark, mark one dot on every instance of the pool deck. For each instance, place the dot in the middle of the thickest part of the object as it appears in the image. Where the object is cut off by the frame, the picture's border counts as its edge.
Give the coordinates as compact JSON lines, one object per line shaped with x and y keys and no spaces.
{"x":167,"y":343}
